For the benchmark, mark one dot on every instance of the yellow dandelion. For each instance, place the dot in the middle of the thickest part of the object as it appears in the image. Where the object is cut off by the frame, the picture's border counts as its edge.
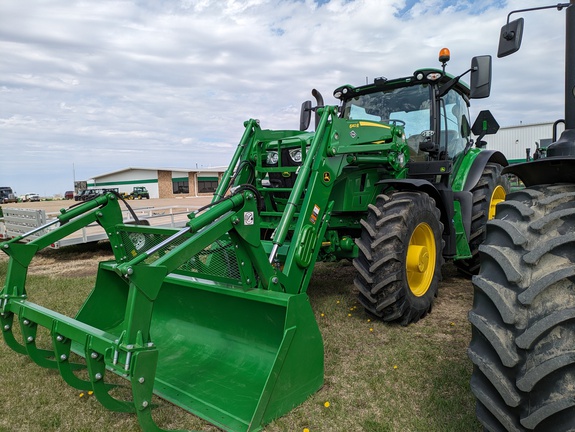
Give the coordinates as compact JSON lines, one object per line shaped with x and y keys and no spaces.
{"x":326,"y":404}
{"x":368,"y":320}
{"x":90,"y":392}
{"x":337,"y":302}
{"x":81,"y":395}
{"x":370,"y":329}
{"x":322,"y":315}
{"x":348,"y":314}
{"x":452,"y":324}
{"x":305,"y":430}
{"x":395,"y":366}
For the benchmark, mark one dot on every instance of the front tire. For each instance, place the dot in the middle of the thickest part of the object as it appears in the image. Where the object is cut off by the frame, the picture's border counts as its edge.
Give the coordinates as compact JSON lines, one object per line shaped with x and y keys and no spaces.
{"x":400,"y":257}
{"x":523,"y":316}
{"x":489,"y":191}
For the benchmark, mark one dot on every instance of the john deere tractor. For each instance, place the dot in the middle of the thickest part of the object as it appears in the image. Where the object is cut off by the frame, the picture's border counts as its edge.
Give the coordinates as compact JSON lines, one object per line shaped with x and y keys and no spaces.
{"x":214,"y":317}
{"x":523,"y":316}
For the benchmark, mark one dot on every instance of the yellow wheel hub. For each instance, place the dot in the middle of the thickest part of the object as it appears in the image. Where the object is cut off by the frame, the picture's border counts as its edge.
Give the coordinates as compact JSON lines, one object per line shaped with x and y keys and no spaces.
{"x":497,"y":196}
{"x":421,"y":259}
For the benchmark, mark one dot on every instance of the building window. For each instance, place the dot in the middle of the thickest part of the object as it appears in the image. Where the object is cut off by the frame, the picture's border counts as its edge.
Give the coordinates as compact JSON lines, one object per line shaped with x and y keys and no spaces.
{"x":180,"y":187}
{"x":205,"y":186}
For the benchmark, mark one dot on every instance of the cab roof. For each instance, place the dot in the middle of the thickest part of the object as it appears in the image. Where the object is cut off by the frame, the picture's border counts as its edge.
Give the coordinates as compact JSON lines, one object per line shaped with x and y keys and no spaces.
{"x":420,"y":76}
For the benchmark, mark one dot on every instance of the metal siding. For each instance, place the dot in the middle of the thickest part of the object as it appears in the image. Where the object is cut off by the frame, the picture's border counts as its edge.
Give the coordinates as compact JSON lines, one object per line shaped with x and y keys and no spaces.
{"x":513,"y":141}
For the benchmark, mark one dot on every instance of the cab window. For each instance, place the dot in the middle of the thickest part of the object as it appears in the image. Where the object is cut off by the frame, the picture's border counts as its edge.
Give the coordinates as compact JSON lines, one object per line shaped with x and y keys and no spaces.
{"x":454,"y":129}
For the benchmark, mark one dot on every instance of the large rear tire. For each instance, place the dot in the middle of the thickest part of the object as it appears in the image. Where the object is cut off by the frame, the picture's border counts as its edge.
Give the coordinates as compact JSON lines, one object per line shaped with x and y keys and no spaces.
{"x":523,"y":316}
{"x":400,"y":257}
{"x":490,"y":190}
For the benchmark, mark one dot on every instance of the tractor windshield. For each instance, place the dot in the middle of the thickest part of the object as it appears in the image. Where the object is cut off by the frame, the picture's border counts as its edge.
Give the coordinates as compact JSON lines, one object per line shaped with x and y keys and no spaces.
{"x":413,"y":106}
{"x":409,"y":104}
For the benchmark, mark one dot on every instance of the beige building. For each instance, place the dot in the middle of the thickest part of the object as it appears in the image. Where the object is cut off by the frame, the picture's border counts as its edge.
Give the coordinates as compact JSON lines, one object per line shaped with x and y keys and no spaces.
{"x":161,"y":182}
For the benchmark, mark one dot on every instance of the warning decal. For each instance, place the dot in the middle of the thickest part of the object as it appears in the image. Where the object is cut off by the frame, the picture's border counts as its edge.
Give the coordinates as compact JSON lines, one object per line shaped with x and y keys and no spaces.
{"x":314,"y":214}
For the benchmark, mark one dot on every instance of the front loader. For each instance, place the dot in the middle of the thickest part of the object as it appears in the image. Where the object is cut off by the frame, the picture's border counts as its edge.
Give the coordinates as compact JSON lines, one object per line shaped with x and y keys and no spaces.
{"x":214,"y":317}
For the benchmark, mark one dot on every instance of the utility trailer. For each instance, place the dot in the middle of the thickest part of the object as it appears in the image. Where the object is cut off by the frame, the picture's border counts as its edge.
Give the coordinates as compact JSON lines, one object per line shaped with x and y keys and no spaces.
{"x":215,"y":316}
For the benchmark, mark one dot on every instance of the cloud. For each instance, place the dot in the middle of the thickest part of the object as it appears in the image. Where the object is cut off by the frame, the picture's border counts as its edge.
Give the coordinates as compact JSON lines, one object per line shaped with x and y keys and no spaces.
{"x":105,"y":85}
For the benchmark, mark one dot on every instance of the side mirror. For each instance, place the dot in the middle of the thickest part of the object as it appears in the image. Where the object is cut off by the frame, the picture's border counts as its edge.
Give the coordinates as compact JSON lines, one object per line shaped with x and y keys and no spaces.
{"x":305,"y":115}
{"x":480,"y":77}
{"x":510,"y":38}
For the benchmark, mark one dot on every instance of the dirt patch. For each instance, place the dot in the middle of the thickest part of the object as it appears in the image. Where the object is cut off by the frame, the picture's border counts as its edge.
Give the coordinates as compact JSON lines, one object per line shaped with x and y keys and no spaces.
{"x":73,"y":261}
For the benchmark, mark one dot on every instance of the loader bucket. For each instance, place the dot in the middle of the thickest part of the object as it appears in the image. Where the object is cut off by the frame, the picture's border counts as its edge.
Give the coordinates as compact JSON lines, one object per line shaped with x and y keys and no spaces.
{"x":236,"y":358}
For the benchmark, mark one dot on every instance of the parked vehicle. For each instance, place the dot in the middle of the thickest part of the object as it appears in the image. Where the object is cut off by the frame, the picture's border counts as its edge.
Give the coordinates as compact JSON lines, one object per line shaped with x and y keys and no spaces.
{"x":31,"y":197}
{"x":69,"y":195}
{"x":7,"y":195}
{"x":139,"y":192}
{"x":91,"y":193}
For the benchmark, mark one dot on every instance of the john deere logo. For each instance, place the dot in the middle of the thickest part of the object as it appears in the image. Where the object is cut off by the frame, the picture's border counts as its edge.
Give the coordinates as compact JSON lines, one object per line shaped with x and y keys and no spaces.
{"x":352,"y":134}
{"x":326,"y":177}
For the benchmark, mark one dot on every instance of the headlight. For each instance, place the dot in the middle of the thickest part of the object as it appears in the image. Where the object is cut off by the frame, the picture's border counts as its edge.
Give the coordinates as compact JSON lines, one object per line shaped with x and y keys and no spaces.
{"x":401,"y":160}
{"x":272,"y":158}
{"x":295,"y":155}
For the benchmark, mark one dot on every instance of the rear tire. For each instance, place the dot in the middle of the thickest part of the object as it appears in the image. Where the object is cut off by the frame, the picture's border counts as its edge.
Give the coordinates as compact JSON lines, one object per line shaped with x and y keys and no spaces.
{"x":399,"y":261}
{"x":523,"y":316}
{"x":490,"y":190}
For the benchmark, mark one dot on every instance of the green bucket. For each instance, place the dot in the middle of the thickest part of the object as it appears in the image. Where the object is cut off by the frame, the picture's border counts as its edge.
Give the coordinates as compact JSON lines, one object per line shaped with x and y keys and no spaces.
{"x":236,"y":358}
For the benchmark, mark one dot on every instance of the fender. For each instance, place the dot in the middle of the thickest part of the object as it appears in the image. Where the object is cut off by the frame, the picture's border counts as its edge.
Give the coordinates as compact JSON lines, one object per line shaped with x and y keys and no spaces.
{"x":478,"y":165}
{"x":544,"y":171}
{"x":443,"y":200}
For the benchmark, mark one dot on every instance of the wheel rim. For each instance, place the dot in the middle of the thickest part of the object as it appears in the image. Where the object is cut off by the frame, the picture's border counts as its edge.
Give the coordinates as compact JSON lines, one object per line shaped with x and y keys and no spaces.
{"x":497,"y":196}
{"x":421,"y":259}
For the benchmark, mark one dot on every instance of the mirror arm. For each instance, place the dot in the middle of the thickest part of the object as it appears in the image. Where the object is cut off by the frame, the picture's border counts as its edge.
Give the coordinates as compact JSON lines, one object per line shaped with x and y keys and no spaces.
{"x":449,"y":84}
{"x":559,"y":7}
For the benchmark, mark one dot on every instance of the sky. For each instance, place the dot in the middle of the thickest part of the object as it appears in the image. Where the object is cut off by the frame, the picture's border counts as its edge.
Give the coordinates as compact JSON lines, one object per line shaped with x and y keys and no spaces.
{"x":90,"y":87}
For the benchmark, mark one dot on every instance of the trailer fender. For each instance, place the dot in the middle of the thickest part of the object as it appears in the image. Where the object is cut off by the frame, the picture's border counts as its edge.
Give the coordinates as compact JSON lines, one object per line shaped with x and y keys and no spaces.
{"x":479,"y":163}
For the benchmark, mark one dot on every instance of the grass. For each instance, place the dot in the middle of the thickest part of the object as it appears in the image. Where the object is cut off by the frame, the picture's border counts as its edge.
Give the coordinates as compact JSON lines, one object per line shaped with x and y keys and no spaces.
{"x":378,"y":377}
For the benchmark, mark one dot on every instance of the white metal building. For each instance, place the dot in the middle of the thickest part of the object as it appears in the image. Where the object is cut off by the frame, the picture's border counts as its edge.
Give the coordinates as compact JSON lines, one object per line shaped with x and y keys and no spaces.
{"x":161,"y":182}
{"x":513,"y":141}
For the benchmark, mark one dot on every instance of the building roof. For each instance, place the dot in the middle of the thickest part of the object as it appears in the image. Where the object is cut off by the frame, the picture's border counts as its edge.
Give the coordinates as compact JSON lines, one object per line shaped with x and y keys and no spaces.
{"x":186,"y":170}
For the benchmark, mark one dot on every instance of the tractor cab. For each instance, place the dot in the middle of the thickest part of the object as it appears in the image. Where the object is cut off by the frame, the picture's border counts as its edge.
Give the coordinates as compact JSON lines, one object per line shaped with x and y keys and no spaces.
{"x":432,"y":105}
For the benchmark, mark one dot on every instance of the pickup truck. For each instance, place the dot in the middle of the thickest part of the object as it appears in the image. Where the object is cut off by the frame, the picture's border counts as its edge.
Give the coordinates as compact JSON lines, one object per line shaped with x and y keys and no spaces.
{"x":31,"y":197}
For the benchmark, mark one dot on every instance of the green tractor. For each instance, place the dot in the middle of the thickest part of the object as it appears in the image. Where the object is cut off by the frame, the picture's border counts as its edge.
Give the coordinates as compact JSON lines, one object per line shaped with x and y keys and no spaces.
{"x":433,"y":208}
{"x":215,"y":317}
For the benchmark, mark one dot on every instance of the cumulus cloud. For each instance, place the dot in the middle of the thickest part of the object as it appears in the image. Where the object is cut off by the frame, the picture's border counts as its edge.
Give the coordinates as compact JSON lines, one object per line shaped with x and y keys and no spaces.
{"x":109,"y":84}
